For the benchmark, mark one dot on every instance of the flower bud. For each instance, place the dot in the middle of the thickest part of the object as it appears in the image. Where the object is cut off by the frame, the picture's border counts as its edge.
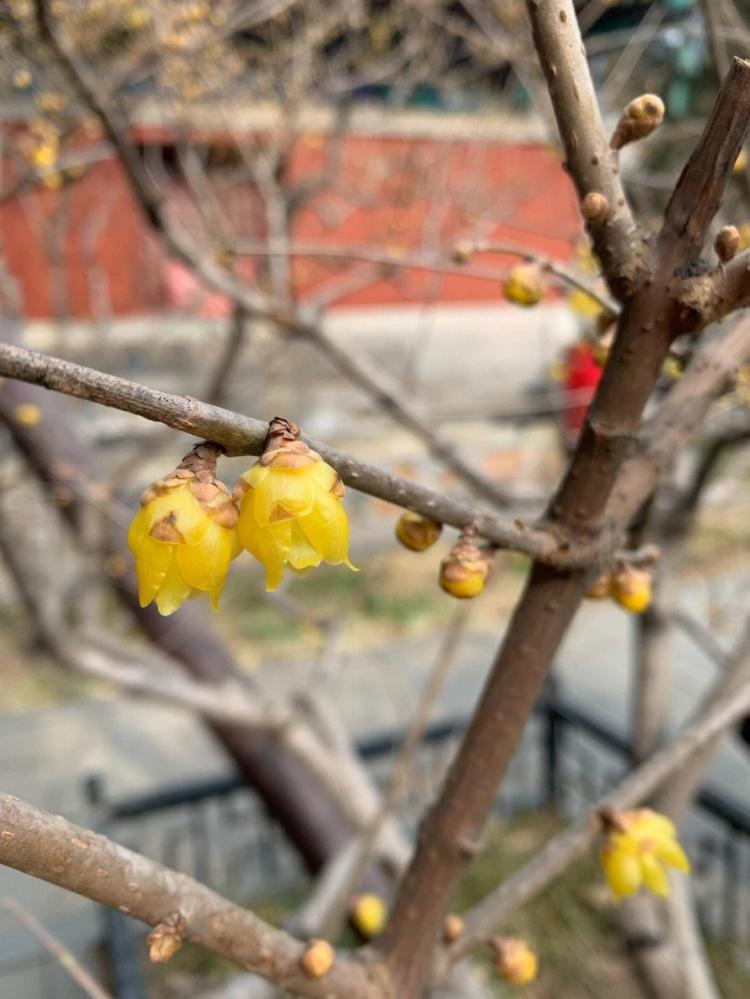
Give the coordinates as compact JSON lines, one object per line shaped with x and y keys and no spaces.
{"x":740,"y":164}
{"x":595,"y":207}
{"x":417,"y":533}
{"x":453,"y":928}
{"x":639,"y":119}
{"x":631,"y":588}
{"x":464,"y":570}
{"x":515,"y":961}
{"x":317,"y":959}
{"x":369,"y":915}
{"x":523,"y":285}
{"x":727,"y":243}
{"x":166,"y":938}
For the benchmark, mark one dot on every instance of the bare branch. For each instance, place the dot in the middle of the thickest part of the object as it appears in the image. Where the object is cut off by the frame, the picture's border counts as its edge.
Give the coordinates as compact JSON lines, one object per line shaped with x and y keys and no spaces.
{"x":592,"y":164}
{"x":53,"y":849}
{"x":243,"y":435}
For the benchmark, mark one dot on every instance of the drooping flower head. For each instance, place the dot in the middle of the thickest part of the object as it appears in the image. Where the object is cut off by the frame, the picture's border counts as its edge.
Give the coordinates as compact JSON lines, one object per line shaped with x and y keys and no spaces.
{"x":290,"y":507}
{"x":464,"y":570}
{"x":637,"y":846}
{"x":515,"y":961}
{"x":184,"y":536}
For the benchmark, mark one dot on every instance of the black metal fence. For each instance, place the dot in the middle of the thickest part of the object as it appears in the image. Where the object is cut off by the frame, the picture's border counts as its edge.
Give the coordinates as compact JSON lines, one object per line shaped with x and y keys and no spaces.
{"x":218,"y":831}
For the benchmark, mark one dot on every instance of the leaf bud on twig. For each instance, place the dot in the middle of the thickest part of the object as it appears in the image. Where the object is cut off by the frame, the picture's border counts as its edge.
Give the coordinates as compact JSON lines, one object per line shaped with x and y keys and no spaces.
{"x":639,"y":119}
{"x":727,"y":243}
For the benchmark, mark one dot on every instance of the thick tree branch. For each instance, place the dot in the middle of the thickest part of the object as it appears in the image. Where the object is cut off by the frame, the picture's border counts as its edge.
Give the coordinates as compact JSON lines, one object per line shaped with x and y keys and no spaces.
{"x":53,"y":849}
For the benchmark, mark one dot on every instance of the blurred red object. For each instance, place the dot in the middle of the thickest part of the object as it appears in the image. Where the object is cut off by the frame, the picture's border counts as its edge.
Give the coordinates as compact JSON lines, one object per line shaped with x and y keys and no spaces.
{"x":582,"y":375}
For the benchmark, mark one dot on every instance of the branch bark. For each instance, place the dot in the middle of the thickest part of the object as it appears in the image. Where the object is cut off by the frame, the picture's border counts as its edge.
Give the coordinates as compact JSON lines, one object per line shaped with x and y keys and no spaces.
{"x":53,"y":849}
{"x":240,"y":435}
{"x":646,"y":327}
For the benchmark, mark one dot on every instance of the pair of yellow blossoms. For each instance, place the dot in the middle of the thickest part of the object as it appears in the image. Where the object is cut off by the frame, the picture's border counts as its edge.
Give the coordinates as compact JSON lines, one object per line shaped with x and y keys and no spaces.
{"x":285,"y":510}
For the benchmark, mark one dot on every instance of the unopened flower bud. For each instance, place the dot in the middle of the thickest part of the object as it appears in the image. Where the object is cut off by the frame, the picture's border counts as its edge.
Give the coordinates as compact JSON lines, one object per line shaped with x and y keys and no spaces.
{"x":595,"y":207}
{"x":166,"y":938}
{"x":727,"y":243}
{"x":639,"y":119}
{"x":632,"y":588}
{"x":416,"y":532}
{"x":317,"y":959}
{"x":464,"y":570}
{"x":369,"y":914}
{"x":515,"y":961}
{"x":453,"y":928}
{"x":524,"y":285}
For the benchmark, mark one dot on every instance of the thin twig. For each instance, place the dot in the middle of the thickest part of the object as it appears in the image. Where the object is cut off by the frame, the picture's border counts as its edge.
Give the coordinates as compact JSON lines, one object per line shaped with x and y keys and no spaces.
{"x":65,"y":958}
{"x":399,"y":775}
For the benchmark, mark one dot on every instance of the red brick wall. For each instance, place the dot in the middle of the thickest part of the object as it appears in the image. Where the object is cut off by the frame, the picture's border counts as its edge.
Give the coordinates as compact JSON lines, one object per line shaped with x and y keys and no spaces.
{"x":389,"y":192}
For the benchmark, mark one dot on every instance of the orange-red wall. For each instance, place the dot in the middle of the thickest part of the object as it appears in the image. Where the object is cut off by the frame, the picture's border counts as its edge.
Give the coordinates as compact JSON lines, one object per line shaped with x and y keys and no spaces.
{"x":389,"y":193}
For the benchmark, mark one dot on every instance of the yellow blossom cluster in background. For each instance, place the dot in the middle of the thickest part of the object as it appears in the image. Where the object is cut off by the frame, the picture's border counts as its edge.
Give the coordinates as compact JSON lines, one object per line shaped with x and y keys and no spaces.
{"x":638,"y":847}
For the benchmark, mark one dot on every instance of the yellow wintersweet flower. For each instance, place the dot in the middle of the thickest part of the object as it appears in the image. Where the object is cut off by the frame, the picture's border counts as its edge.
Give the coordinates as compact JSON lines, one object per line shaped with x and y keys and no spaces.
{"x":369,"y":914}
{"x":464,"y":570}
{"x":515,"y":961}
{"x":523,"y":285}
{"x":637,"y":846}
{"x":290,"y":507}
{"x":184,"y":536}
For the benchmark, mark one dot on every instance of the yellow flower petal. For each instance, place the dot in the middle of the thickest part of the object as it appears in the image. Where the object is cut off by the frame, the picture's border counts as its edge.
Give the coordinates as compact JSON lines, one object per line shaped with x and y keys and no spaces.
{"x":622,"y":870}
{"x":670,"y":852}
{"x":654,"y":875}
{"x":302,"y":555}
{"x":204,"y":566}
{"x":137,"y":530}
{"x":283,"y":493}
{"x":269,"y":544}
{"x":650,"y":823}
{"x":183,"y":509}
{"x":152,"y":561}
{"x":326,"y":527}
{"x":255,"y":475}
{"x":173,"y":592}
{"x":325,"y":476}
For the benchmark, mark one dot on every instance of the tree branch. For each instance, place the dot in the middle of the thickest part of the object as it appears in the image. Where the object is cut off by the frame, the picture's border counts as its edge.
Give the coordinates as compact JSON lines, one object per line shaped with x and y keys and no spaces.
{"x":53,"y":849}
{"x":592,"y":164}
{"x":240,"y":435}
{"x":646,"y":328}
